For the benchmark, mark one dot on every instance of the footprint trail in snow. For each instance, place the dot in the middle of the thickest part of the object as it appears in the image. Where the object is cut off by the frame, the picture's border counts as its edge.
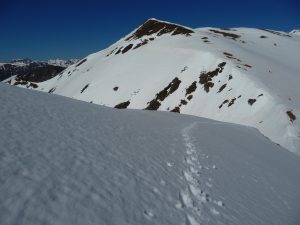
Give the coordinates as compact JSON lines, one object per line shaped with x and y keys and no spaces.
{"x":196,"y":197}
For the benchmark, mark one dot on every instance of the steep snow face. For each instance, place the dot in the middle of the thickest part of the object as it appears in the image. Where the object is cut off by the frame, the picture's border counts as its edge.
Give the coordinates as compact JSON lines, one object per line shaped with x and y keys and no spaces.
{"x":69,"y":162}
{"x":242,"y":75}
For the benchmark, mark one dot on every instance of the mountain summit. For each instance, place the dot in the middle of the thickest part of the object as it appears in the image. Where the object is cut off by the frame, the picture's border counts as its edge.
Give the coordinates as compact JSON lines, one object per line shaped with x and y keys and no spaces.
{"x":159,"y":28}
{"x":240,"y":75}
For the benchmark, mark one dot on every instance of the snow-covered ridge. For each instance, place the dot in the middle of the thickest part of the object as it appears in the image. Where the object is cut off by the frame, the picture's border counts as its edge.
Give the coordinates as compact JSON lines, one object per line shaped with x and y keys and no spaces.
{"x":68,"y":162}
{"x":295,"y":32}
{"x":61,"y":62}
{"x":30,"y":70}
{"x":241,"y":75}
{"x":54,"y":62}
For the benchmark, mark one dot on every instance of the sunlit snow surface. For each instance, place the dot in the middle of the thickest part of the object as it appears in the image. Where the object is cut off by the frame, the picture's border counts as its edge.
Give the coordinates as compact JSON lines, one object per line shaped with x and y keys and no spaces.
{"x":261,"y":66}
{"x":63,"y":161}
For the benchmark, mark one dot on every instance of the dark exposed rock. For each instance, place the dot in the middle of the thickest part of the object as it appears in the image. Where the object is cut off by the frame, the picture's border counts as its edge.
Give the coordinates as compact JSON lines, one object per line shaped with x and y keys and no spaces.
{"x":119,"y":51}
{"x":144,"y":42}
{"x":122,"y":105}
{"x":176,"y":110}
{"x":81,"y":62}
{"x":230,"y":56}
{"x":189,"y":97}
{"x":51,"y":90}
{"x":183,"y":102}
{"x":160,"y":28}
{"x":221,"y":65}
{"x":208,"y":85}
{"x":153,"y":105}
{"x":227,"y":54}
{"x":231,"y":102}
{"x":291,"y":115}
{"x":184,"y":69}
{"x":191,"y":88}
{"x":222,"y":88}
{"x":169,"y":89}
{"x":33,"y":85}
{"x":224,"y":102}
{"x":115,"y":88}
{"x":172,"y":87}
{"x":85,"y":87}
{"x":251,"y":101}
{"x":205,"y":78}
{"x":226,"y":34}
{"x":127,"y":48}
{"x":112,"y":51}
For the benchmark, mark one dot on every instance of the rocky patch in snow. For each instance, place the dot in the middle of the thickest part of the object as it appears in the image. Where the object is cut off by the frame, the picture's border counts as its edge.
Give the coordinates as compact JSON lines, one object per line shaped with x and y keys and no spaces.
{"x":205,"y":78}
{"x":171,"y":88}
{"x":123,"y":105}
{"x":159,"y":28}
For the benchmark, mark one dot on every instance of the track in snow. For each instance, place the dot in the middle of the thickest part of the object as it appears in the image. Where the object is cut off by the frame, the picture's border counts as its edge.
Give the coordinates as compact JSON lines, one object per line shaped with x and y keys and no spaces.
{"x":64,"y":162}
{"x":197,"y":194}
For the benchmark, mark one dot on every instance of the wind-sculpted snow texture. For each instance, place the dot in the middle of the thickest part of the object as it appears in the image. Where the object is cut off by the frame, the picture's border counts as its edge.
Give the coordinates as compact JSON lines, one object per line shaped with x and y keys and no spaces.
{"x":241,"y":75}
{"x":69,"y":162}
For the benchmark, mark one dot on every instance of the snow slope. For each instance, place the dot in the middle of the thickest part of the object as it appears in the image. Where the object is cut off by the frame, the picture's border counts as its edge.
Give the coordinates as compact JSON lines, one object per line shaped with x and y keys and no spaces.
{"x":241,"y":75}
{"x":69,"y":162}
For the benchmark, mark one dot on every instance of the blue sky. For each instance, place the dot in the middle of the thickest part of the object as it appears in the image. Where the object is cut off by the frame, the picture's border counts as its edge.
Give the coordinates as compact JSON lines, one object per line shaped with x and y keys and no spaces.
{"x":73,"y":29}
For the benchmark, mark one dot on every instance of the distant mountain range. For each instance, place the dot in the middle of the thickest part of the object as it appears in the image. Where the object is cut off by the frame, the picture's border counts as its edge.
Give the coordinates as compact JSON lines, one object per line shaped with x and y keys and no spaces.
{"x":240,"y":75}
{"x":36,"y":71}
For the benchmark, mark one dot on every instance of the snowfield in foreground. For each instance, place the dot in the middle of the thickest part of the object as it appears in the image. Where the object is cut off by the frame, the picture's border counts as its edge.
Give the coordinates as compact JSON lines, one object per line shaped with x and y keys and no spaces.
{"x":63,"y":161}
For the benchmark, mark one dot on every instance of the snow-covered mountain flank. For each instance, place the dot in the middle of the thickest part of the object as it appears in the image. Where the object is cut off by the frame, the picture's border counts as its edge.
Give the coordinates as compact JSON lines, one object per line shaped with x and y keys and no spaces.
{"x":241,"y":75}
{"x":64,"y":162}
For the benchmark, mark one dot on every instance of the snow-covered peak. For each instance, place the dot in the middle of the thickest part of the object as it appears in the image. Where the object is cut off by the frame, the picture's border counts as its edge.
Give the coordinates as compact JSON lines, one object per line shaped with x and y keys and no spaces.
{"x":240,"y":75}
{"x":21,"y":61}
{"x":54,"y":62}
{"x":295,"y":32}
{"x":154,"y":27}
{"x":61,"y":62}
